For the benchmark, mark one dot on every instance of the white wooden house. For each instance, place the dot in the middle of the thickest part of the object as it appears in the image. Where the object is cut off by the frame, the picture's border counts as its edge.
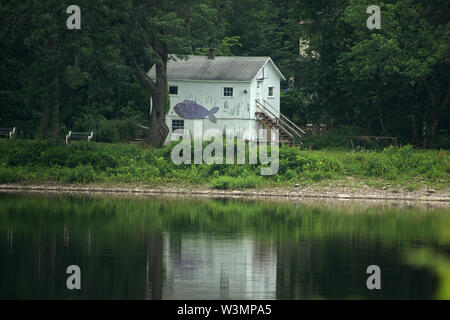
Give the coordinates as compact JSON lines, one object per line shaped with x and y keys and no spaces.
{"x":239,"y":92}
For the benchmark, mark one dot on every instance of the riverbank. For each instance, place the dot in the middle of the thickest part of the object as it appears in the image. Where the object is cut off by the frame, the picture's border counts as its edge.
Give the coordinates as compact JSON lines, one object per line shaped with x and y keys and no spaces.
{"x":392,"y":173}
{"x":316,"y":191}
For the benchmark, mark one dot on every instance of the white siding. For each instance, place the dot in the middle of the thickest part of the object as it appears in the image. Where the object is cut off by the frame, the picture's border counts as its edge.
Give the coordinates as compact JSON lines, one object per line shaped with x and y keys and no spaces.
{"x":237,"y":112}
{"x":271,"y":79}
{"x":210,"y":95}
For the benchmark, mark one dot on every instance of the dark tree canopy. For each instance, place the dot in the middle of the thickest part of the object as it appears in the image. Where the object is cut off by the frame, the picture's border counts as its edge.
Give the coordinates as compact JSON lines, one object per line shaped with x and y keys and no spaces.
{"x":392,"y":81}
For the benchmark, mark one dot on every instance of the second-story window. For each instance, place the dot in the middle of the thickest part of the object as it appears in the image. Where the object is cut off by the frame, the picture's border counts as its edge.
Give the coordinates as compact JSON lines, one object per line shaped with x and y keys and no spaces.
{"x":270,"y":91}
{"x":227,"y":92}
{"x":173,"y":90}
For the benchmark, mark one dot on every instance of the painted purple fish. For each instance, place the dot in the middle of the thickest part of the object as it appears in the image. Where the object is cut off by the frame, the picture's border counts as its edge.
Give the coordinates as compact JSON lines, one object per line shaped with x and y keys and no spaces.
{"x":190,"y":110}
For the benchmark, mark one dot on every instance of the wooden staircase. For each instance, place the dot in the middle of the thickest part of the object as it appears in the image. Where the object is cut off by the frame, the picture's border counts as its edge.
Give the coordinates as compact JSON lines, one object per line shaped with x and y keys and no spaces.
{"x":289,"y":133}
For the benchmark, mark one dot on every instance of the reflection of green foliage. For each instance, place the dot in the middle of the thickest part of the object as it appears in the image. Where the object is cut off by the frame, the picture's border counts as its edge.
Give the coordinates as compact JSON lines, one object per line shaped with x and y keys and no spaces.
{"x":119,"y":235}
{"x":439,"y":264}
{"x":267,"y":219}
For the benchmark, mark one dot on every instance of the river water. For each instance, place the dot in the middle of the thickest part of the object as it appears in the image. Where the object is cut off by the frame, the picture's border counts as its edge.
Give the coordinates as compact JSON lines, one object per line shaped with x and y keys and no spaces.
{"x":142,"y":247}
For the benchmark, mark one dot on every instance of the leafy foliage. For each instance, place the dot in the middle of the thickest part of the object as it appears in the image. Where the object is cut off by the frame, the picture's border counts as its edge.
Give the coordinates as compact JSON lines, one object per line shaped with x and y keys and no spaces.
{"x":391,"y":82}
{"x":40,"y":161}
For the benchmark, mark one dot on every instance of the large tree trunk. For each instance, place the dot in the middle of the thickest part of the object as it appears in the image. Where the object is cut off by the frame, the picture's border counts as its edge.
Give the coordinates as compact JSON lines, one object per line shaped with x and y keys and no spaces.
{"x":158,"y":129}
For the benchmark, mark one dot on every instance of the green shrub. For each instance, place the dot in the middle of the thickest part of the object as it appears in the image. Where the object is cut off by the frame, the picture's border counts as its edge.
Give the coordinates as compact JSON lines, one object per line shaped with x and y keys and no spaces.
{"x":23,"y":152}
{"x":126,"y":129}
{"x":289,"y":174}
{"x":9,"y":175}
{"x":316,"y":175}
{"x":83,"y":174}
{"x":135,"y":172}
{"x":223,"y":183}
{"x":61,"y":174}
{"x":106,"y":131}
{"x":313,"y":162}
{"x":227,"y":182}
{"x":37,"y":160}
{"x":54,"y":156}
{"x":380,"y":166}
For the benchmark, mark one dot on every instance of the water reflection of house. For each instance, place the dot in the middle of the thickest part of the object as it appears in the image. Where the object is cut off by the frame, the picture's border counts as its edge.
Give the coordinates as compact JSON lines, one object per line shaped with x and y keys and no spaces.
{"x":208,"y":267}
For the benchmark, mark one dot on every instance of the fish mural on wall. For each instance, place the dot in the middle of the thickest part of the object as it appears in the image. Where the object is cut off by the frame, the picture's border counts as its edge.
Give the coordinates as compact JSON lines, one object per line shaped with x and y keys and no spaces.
{"x":190,"y":110}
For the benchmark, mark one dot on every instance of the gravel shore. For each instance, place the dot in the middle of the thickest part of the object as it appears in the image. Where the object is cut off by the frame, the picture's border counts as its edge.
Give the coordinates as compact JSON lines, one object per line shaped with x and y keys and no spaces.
{"x":311,"y":192}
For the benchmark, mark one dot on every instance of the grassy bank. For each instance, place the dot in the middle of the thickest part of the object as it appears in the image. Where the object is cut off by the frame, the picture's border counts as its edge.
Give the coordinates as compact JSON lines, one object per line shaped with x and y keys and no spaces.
{"x":34,"y":161}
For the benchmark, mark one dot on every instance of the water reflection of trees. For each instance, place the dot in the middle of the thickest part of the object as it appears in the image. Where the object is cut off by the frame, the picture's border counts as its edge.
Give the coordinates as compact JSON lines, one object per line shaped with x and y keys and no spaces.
{"x":335,"y":268}
{"x":37,"y":243}
{"x":123,"y":245}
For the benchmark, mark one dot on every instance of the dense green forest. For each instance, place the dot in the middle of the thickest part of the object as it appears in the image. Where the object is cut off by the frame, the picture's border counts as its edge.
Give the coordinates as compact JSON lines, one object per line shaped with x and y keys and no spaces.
{"x":390,"y":81}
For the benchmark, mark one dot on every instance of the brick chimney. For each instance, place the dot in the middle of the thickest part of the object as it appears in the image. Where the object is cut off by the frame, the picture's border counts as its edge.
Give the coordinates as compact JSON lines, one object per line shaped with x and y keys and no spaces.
{"x":212,"y":53}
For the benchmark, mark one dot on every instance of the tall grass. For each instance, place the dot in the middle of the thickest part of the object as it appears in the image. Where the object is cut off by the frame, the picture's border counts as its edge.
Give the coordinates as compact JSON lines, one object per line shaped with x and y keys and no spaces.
{"x":83,"y":162}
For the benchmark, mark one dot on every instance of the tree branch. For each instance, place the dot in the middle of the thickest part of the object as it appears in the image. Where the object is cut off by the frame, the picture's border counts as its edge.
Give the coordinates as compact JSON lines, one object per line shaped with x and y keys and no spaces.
{"x":141,"y":75}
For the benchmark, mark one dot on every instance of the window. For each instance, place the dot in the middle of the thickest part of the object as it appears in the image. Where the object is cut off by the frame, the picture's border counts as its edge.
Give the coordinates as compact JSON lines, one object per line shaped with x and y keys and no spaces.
{"x":173,"y":90}
{"x":270,"y":91}
{"x":177,"y":124}
{"x":227,"y":92}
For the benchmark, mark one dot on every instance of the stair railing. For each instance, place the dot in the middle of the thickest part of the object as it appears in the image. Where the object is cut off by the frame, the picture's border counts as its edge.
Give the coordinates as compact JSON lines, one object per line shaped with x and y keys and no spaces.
{"x":286,"y":119}
{"x":279,"y":120}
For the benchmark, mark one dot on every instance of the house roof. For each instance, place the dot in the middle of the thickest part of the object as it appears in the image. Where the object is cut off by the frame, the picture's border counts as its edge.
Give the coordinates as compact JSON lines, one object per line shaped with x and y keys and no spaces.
{"x":218,"y":69}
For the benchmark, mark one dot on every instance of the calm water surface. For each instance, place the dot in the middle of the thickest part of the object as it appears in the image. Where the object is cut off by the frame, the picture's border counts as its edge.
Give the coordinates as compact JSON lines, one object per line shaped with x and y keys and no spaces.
{"x":175,"y":248}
